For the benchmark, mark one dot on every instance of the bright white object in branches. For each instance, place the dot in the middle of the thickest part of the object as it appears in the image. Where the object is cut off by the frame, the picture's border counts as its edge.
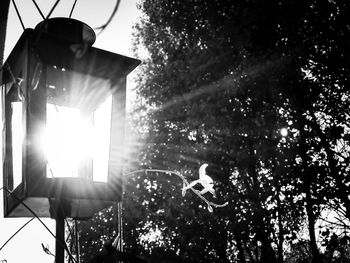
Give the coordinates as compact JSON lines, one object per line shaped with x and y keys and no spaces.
{"x":205,"y":180}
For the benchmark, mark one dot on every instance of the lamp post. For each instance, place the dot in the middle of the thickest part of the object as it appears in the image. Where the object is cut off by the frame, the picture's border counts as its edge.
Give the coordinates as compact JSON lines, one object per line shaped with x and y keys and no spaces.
{"x":63,"y":109}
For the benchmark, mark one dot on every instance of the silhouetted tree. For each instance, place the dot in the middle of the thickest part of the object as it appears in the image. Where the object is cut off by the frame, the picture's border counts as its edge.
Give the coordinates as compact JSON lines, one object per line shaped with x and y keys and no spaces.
{"x":222,"y":80}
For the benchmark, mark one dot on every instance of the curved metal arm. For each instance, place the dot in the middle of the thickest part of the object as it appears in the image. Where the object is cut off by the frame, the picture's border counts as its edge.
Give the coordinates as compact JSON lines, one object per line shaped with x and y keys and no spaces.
{"x":186,"y":185}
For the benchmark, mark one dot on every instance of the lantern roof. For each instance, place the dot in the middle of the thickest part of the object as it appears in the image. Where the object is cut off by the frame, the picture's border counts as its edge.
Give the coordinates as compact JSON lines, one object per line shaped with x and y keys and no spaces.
{"x":66,"y":53}
{"x":69,"y":29}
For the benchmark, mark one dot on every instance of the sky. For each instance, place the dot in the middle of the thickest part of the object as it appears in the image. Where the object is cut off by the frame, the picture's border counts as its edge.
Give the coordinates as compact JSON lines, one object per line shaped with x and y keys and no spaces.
{"x":116,"y":38}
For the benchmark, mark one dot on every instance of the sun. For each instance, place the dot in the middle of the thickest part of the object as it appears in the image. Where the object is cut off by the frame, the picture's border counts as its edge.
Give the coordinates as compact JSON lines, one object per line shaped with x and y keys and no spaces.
{"x":284,"y":132}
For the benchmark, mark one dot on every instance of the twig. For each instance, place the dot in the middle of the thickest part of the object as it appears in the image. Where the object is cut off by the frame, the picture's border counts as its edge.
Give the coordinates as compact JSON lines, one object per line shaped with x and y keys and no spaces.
{"x":47,"y":250}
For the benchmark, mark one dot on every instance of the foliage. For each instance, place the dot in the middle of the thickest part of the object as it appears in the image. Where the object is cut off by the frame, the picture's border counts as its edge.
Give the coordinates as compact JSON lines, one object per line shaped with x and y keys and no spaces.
{"x":95,"y":232}
{"x":221,"y":81}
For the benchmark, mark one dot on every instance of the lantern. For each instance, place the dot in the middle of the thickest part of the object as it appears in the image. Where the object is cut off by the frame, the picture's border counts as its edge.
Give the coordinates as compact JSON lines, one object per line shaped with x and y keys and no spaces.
{"x":63,"y":122}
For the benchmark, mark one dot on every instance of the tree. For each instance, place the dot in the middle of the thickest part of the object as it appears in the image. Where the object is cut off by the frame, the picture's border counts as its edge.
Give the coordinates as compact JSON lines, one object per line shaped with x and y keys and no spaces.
{"x":225,"y":99}
{"x":222,"y":80}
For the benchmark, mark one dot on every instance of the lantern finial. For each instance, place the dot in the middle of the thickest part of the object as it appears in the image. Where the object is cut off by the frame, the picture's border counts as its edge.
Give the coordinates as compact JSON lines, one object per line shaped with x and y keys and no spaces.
{"x":69,"y":29}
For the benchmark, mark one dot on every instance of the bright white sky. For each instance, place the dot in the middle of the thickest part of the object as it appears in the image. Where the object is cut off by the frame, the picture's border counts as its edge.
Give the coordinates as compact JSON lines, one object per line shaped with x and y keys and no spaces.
{"x":115,"y":38}
{"x":26,"y":246}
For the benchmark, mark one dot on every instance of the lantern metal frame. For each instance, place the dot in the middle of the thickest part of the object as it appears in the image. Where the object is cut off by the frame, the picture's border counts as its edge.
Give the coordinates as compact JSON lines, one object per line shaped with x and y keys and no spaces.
{"x":25,"y":77}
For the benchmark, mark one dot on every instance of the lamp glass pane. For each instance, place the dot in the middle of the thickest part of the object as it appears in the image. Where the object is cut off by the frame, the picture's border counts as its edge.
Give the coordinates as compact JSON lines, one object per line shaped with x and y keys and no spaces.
{"x":63,"y":141}
{"x":78,"y":125}
{"x":17,"y":140}
{"x":102,"y":133}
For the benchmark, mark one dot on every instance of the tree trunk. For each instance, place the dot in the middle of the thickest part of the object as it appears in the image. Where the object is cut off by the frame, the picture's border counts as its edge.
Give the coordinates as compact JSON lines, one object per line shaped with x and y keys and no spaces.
{"x":311,"y":226}
{"x":280,"y":228}
{"x":4,"y":9}
{"x":262,"y":234}
{"x":222,"y":246}
{"x":267,"y":253}
{"x":307,"y":189}
{"x":240,"y":247}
